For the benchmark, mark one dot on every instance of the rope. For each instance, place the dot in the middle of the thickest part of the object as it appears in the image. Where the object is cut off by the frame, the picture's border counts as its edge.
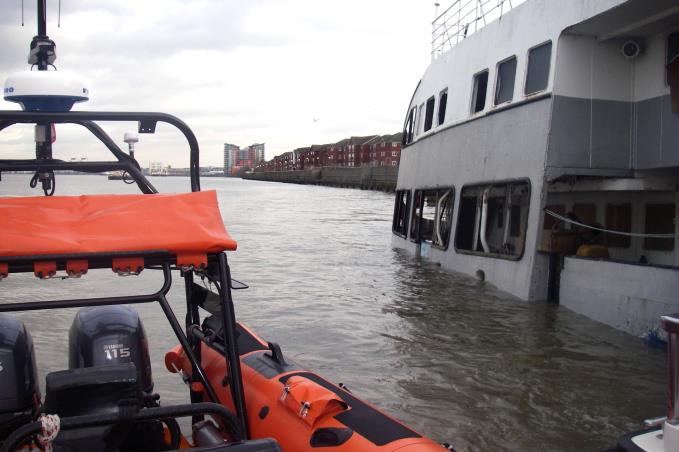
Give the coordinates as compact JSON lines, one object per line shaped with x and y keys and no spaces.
{"x":51,"y":425}
{"x":609,"y":231}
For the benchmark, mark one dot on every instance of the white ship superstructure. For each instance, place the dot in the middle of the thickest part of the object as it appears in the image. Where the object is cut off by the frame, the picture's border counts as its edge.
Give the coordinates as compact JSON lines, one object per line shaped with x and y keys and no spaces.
{"x":566,"y":106}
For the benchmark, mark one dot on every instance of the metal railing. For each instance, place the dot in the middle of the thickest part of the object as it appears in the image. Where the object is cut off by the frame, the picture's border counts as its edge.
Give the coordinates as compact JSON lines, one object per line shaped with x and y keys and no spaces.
{"x":463,"y":18}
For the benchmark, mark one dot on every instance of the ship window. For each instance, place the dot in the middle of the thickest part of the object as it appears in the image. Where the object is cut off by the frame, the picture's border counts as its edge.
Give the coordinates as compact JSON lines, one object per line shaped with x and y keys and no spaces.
{"x":537,"y":75}
{"x":672,"y":47}
{"x":673,"y":69}
{"x":618,"y":218}
{"x":504,"y":83}
{"x":433,"y":214}
{"x":418,"y":126}
{"x":443,"y":100}
{"x":493,"y":219}
{"x":400,"y":224}
{"x":660,"y":220}
{"x":409,"y":127}
{"x":429,"y":115}
{"x":479,"y":91}
{"x":515,"y":225}
{"x":415,"y":216}
{"x":466,"y":221}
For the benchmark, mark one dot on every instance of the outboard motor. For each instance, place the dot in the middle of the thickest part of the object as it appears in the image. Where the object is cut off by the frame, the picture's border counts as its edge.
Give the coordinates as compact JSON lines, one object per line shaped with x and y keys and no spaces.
{"x":19,"y":390}
{"x":110,"y":335}
{"x":109,"y":372}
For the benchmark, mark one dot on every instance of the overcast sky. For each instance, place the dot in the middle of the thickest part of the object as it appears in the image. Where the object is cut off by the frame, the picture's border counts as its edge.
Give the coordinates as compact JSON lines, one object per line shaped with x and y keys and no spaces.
{"x":289,"y":73}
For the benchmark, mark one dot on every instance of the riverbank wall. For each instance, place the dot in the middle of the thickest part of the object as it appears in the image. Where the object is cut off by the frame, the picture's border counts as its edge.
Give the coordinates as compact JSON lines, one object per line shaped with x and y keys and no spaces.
{"x":382,"y":178}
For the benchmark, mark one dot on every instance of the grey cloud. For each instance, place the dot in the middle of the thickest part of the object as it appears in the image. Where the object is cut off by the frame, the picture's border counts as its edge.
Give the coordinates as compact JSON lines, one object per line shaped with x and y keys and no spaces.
{"x":128,"y":66}
{"x":181,"y":25}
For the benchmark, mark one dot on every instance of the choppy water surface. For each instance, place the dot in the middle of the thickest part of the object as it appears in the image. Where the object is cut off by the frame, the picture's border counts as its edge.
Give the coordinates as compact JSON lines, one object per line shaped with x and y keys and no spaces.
{"x":450,"y":356}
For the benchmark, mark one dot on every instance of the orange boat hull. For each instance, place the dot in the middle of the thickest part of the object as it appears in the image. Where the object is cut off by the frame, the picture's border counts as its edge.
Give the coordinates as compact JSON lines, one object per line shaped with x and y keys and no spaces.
{"x":300,"y":409}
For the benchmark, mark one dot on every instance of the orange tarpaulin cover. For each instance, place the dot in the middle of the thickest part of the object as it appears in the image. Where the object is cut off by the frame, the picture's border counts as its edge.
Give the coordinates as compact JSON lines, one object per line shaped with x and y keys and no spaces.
{"x":179,"y":223}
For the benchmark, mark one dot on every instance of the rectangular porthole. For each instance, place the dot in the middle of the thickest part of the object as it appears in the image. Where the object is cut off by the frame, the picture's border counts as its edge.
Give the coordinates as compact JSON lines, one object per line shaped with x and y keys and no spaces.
{"x":537,"y":73}
{"x":409,"y":128}
{"x":479,"y":89}
{"x":673,"y":69}
{"x":415,"y":216}
{"x":418,"y":125}
{"x":429,"y":113}
{"x":504,"y":83}
{"x":443,"y":100}
{"x":493,"y":219}
{"x":402,"y":206}
{"x":432,"y":218}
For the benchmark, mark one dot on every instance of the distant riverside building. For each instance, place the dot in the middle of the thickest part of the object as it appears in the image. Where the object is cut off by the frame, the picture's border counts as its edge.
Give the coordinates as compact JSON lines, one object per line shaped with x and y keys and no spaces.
{"x":237,"y":158}
{"x":371,"y":150}
{"x":258,"y":149}
{"x":230,"y":157}
{"x":157,"y":169}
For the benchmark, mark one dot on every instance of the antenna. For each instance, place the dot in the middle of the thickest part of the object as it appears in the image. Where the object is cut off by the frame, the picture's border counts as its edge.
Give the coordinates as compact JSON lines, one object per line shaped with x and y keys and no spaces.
{"x":43,"y":90}
{"x":130,"y":138}
{"x":43,"y":50}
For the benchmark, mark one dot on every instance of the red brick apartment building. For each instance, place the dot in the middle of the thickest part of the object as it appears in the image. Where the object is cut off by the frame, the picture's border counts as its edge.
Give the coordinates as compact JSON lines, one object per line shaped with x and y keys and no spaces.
{"x":372,"y":150}
{"x":311,"y":157}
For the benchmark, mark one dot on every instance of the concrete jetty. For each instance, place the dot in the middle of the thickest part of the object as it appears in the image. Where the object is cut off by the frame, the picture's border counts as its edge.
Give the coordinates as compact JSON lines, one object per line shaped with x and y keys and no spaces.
{"x":381,"y":178}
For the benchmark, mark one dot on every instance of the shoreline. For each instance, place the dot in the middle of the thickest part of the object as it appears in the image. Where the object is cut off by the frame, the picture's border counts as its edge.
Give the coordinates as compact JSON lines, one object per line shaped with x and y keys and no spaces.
{"x":378,"y":178}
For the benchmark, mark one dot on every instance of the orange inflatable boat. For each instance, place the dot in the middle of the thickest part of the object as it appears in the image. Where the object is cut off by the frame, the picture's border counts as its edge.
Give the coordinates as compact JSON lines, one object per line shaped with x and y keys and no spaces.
{"x":244,"y":395}
{"x":299,"y":408}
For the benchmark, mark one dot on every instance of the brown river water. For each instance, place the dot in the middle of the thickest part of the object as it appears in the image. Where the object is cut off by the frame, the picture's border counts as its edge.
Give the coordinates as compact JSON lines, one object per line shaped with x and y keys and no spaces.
{"x":450,"y":356}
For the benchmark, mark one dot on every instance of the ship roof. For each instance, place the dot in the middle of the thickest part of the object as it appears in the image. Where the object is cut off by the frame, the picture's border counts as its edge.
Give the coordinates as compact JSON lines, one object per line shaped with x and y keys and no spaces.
{"x":632,"y":18}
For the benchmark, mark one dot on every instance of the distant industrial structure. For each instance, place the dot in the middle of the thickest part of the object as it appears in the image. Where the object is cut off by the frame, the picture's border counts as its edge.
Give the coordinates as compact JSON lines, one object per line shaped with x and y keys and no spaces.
{"x":157,"y":169}
{"x":237,"y":159}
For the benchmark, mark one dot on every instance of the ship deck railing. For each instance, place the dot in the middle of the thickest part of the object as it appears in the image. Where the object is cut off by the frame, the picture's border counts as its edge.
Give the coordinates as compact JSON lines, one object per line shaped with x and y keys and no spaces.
{"x":463,"y":18}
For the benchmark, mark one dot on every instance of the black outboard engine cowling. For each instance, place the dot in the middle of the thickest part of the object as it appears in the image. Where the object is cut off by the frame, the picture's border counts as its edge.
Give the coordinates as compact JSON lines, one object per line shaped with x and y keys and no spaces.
{"x":19,"y":389}
{"x":110,"y":335}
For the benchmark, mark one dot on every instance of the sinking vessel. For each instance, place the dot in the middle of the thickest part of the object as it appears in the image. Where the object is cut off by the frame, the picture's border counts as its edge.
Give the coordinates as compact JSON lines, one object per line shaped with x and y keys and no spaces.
{"x":540,"y":154}
{"x":245,"y":394}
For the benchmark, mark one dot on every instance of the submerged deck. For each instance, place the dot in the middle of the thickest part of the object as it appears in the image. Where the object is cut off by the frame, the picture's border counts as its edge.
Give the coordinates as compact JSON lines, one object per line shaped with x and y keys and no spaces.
{"x":624,"y":295}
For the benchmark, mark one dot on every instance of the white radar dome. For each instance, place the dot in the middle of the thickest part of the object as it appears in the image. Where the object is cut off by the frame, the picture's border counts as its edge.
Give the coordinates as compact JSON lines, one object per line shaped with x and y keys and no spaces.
{"x":130,"y":137}
{"x":46,"y":90}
